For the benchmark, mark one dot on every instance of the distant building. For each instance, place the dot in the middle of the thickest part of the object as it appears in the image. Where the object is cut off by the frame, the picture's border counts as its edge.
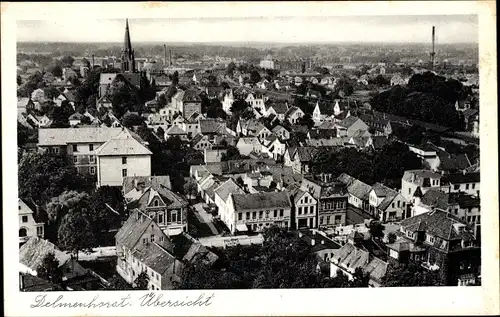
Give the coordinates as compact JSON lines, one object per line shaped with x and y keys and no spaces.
{"x":29,"y":223}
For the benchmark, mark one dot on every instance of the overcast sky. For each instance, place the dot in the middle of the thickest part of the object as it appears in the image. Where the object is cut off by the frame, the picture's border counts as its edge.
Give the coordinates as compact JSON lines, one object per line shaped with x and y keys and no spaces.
{"x":406,"y":29}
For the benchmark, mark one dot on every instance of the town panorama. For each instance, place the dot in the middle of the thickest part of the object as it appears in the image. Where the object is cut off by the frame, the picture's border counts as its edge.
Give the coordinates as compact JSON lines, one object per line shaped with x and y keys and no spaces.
{"x":151,"y":166}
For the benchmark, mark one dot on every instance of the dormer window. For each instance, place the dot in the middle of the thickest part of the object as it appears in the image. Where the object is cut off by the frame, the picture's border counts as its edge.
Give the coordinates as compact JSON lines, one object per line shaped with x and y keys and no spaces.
{"x":156,"y":203}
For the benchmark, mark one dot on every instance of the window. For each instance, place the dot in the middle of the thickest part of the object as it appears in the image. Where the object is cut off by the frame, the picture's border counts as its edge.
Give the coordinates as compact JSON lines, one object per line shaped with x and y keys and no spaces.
{"x":281,"y":212}
{"x":160,"y":218}
{"x":409,"y":191}
{"x":261,"y":214}
{"x":174,"y":216}
{"x":92,"y":170}
{"x":393,"y":205}
{"x":267,"y":213}
{"x":466,"y":186}
{"x":124,"y":160}
{"x":254,"y":215}
{"x":399,"y":203}
{"x":39,"y":231}
{"x":321,"y":220}
{"x":19,"y":207}
{"x":429,"y":239}
{"x":404,"y":204}
{"x":300,"y":210}
{"x":275,"y":213}
{"x":327,"y":219}
{"x":124,"y":172}
{"x":144,"y":241}
{"x":75,"y":159}
{"x":91,"y":147}
{"x":156,"y":203}
{"x":305,"y":199}
{"x":240,"y":216}
{"x":248,"y":216}
{"x":25,"y":218}
{"x":473,"y":186}
{"x":75,"y":148}
{"x":92,"y":159}
{"x":152,"y":238}
{"x":456,"y":186}
{"x":161,"y":238}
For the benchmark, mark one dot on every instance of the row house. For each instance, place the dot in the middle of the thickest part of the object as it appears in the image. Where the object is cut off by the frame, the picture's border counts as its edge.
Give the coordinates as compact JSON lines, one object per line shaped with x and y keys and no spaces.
{"x":380,"y":126}
{"x":464,"y":207}
{"x":168,"y":209}
{"x":276,"y":108}
{"x":462,"y":182}
{"x":255,"y":212}
{"x":222,"y":194}
{"x":332,"y":198}
{"x":300,"y":158}
{"x":423,"y":179}
{"x":438,"y":241}
{"x":247,"y":145}
{"x":281,"y":132}
{"x":352,"y":256}
{"x":387,"y":204}
{"x":142,"y":246}
{"x":252,"y":127}
{"x":359,"y":192}
{"x":321,"y":246}
{"x":293,"y":114}
{"x":273,"y":147}
{"x":350,"y":126}
{"x":30,"y":224}
{"x":305,"y":212}
{"x":187,"y":102}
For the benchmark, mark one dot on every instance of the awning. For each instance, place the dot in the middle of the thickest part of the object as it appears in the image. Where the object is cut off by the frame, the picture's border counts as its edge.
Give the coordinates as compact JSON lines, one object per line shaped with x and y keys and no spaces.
{"x":241,"y":227}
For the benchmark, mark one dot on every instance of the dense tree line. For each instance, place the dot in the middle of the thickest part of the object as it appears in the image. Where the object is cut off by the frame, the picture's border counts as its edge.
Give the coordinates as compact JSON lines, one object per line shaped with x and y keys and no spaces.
{"x":283,"y":261}
{"x":427,"y":97}
{"x":386,"y":165}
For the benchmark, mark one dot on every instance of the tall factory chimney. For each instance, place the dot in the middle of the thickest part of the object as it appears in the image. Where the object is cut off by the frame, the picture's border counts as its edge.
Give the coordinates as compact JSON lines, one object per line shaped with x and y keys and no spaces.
{"x":170,"y":60}
{"x":433,"y":53}
{"x":165,"y":54}
{"x":93,"y":61}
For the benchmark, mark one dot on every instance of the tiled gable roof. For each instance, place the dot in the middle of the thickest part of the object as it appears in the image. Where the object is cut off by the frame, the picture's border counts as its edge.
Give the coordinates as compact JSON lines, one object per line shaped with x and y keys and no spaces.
{"x":261,"y":201}
{"x":123,"y":144}
{"x":63,"y":136}
{"x":227,"y":188}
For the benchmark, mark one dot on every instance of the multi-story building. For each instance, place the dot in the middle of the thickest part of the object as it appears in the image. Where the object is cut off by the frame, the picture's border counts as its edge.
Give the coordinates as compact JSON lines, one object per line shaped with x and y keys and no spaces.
{"x":123,"y":155}
{"x":255,"y":212}
{"x":412,"y":179}
{"x":78,"y":143}
{"x":142,"y":246}
{"x":332,"y":198}
{"x":462,"y":182}
{"x":305,"y":210}
{"x":387,"y":204}
{"x":151,"y":196}
{"x":29,"y":224}
{"x":187,"y":102}
{"x":438,"y":241}
{"x":222,"y":194}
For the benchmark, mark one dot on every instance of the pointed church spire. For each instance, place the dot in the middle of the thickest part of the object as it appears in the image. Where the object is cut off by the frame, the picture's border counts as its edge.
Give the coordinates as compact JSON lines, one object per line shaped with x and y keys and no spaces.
{"x":127,"y":44}
{"x":128,"y":58}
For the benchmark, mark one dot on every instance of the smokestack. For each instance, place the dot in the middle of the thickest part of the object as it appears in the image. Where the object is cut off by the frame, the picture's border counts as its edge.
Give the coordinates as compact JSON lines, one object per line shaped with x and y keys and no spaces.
{"x":165,"y":54}
{"x":93,"y":61}
{"x":433,"y":43}
{"x":170,"y":60}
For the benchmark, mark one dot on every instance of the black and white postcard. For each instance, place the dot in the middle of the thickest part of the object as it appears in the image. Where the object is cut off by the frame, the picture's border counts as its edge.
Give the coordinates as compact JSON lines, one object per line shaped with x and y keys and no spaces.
{"x":250,"y":158}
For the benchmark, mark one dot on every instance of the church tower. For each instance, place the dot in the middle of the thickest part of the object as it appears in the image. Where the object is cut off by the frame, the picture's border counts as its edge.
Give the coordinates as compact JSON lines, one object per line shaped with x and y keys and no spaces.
{"x":128,"y":59}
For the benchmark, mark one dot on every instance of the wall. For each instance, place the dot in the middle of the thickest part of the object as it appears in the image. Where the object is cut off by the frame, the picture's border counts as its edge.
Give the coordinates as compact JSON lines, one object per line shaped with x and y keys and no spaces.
{"x":109,"y":169}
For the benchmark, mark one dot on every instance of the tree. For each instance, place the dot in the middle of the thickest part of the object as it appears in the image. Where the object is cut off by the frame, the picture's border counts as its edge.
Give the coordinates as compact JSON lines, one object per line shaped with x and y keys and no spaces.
{"x":232,"y":153}
{"x":410,"y":275}
{"x":57,"y":71}
{"x":25,"y":135}
{"x":391,"y":237}
{"x":49,"y":269}
{"x":376,"y":229}
{"x":142,"y":281}
{"x":104,"y":202}
{"x":306,"y":120}
{"x":75,"y":232}
{"x":190,"y":188}
{"x":68,"y":61}
{"x":129,"y":120}
{"x":230,"y":69}
{"x":175,"y":78}
{"x":116,"y":282}
{"x":239,"y":106}
{"x":255,"y":76}
{"x":42,"y":176}
{"x":19,"y":80}
{"x":160,"y":133}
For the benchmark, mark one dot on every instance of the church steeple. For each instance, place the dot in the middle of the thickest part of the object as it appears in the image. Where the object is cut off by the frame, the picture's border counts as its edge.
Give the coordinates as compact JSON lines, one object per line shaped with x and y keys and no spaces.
{"x":128,"y":58}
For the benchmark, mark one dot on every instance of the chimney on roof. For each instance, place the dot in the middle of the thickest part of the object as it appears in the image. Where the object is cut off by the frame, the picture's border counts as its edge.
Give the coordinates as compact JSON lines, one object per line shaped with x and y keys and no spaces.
{"x":463,"y":172}
{"x":300,"y":234}
{"x":313,"y":242}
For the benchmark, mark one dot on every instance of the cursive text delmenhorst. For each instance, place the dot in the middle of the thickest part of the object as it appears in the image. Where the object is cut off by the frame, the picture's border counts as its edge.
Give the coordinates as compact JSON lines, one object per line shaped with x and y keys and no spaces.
{"x":151,"y":299}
